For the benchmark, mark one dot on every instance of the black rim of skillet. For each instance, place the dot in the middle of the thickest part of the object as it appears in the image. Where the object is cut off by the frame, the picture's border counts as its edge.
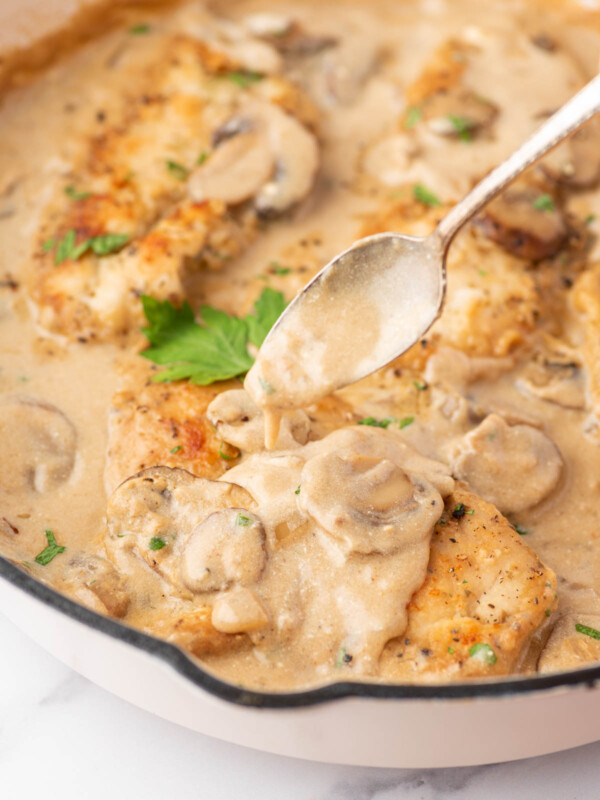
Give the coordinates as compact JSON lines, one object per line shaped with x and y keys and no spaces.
{"x":181,"y":663}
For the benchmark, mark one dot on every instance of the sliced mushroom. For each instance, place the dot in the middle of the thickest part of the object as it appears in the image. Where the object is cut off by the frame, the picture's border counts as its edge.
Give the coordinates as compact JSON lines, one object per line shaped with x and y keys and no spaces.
{"x":525,"y":222}
{"x":267,"y":23}
{"x":238,"y":167}
{"x":513,"y":467}
{"x":363,"y":495}
{"x":576,"y":162}
{"x":152,"y":515}
{"x":239,"y":611}
{"x":98,"y":576}
{"x":262,"y":152}
{"x":458,"y":113}
{"x":227,"y":547}
{"x":288,"y":36}
{"x":240,"y":422}
{"x":39,"y":445}
{"x":555,"y":376}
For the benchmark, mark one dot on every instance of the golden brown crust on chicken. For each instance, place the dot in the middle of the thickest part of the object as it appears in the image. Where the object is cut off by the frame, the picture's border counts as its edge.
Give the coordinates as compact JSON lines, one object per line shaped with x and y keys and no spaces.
{"x":163,"y":423}
{"x":486,"y":593}
{"x":193,"y":631}
{"x":586,"y":299}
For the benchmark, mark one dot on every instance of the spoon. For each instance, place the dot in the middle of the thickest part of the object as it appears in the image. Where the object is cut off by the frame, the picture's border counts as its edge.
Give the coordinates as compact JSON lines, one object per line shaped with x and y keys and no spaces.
{"x":381,"y":295}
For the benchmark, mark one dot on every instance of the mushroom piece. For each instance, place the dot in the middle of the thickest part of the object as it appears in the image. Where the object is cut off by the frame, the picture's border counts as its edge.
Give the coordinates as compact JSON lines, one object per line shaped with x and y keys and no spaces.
{"x":287,"y":36}
{"x":363,"y":495}
{"x":227,"y":547}
{"x":97,"y":575}
{"x":240,"y":422}
{"x":239,"y":48}
{"x":39,"y":444}
{"x":513,"y":467}
{"x":262,"y":152}
{"x":525,"y":222}
{"x":458,"y":112}
{"x":238,"y":611}
{"x":576,"y":162}
{"x":152,"y":515}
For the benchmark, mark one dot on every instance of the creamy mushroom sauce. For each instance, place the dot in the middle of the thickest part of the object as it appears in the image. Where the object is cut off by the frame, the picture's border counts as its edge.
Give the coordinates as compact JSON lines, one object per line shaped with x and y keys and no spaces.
{"x":355,"y":509}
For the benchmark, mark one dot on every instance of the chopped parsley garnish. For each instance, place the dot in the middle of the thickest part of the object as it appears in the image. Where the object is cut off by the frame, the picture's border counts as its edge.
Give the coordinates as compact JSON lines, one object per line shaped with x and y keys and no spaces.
{"x":297,"y":490}
{"x":484,"y":653}
{"x":177,"y":170}
{"x":223,"y":454}
{"x":459,"y":511}
{"x":156,"y":543}
{"x":413,"y":116}
{"x":174,"y":450}
{"x":544,"y":203}
{"x":585,"y":629}
{"x":425,"y":196}
{"x":212,"y":349}
{"x":420,"y":385}
{"x":590,"y":218}
{"x":277,"y":269}
{"x":243,"y":521}
{"x":376,"y":423}
{"x":244,"y":78}
{"x":140,"y":29}
{"x":462,"y":125}
{"x":72,"y":192}
{"x":67,"y":247}
{"x":202,"y":157}
{"x":521,"y":531}
{"x":405,"y":422}
{"x":50,"y":551}
{"x":343,"y":657}
{"x":450,"y":650}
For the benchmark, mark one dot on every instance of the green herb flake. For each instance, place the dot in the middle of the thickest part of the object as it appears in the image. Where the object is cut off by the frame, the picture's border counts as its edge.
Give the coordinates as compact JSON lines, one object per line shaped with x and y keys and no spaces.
{"x":547,"y":612}
{"x":174,"y":450}
{"x":156,"y":543}
{"x":451,"y":650}
{"x":587,"y":631}
{"x":544,"y":203}
{"x":223,"y":454}
{"x":140,"y":29}
{"x":177,"y":170}
{"x":405,"y":422}
{"x":590,"y":218}
{"x":202,"y":157}
{"x":521,"y":531}
{"x":462,"y":125}
{"x":48,"y":245}
{"x":423,"y":195}
{"x":277,"y":269}
{"x":483,"y":652}
{"x":108,"y":243}
{"x":244,"y":78}
{"x":297,"y":490}
{"x":243,"y":521}
{"x":376,"y":423}
{"x":212,"y":349}
{"x":100,"y":245}
{"x":459,"y":511}
{"x":73,"y":194}
{"x":420,"y":385}
{"x":50,"y":551}
{"x":482,"y":272}
{"x":413,"y":117}
{"x":343,"y":658}
{"x":267,"y":387}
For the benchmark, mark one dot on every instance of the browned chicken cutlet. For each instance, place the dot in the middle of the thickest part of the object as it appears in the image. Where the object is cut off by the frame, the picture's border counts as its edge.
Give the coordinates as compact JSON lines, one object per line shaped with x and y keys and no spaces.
{"x":486,"y":594}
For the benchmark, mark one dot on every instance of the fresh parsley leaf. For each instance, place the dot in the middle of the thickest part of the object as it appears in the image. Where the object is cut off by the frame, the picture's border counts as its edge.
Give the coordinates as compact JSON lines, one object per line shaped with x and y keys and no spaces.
{"x":459,"y":511}
{"x":50,"y":551}
{"x":48,"y":245}
{"x":420,"y":385}
{"x":244,"y":78}
{"x":140,"y":29}
{"x":462,"y":125}
{"x":544,"y":203}
{"x":156,"y":543}
{"x":587,"y":631}
{"x":413,"y":116}
{"x":277,"y":269}
{"x":521,"y":531}
{"x":202,"y":157}
{"x":483,"y":652}
{"x":405,"y":422}
{"x":243,"y":521}
{"x":223,"y":454}
{"x":451,"y":650}
{"x":101,"y":245}
{"x":590,"y":218}
{"x":425,"y":196}
{"x":297,"y":490}
{"x":72,"y":192}
{"x":177,"y":170}
{"x":176,"y":449}
{"x":268,"y":308}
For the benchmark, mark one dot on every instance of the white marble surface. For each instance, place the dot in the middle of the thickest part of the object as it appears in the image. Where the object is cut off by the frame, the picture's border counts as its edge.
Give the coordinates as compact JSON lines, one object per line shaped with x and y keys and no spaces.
{"x":62,"y":737}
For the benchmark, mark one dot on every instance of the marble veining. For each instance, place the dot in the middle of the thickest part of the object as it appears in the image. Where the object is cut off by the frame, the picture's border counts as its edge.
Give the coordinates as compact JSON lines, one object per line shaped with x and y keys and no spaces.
{"x":62,"y":737}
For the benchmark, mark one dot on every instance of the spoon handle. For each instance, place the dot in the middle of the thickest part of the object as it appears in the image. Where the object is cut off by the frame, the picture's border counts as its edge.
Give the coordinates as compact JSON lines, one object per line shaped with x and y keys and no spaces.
{"x":567,"y":119}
